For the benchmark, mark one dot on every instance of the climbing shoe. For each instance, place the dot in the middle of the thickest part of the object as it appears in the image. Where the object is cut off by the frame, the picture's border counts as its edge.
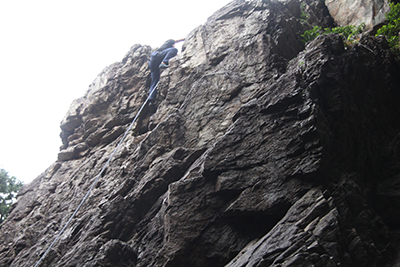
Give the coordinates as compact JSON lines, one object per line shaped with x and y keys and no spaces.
{"x":163,"y":66}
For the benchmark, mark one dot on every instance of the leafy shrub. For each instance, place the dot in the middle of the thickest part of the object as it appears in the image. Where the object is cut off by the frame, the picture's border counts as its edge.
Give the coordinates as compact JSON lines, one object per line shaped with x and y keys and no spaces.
{"x":348,"y":32}
{"x":392,"y":28}
{"x":311,"y":34}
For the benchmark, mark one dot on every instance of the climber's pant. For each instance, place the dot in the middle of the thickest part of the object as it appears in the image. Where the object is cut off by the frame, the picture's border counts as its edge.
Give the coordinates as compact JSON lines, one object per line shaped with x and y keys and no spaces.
{"x":155,"y":60}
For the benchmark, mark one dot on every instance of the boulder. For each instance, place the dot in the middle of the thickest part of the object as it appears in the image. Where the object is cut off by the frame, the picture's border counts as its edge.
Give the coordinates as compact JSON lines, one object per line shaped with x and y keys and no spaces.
{"x":357,"y":12}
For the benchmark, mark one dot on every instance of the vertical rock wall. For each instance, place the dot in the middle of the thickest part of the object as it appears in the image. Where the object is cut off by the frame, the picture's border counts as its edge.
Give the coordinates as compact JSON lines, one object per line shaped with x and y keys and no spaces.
{"x":262,"y":152}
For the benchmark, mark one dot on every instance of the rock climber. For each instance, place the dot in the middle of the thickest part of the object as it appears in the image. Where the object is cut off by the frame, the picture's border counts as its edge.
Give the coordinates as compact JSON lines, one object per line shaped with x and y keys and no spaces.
{"x":159,"y":59}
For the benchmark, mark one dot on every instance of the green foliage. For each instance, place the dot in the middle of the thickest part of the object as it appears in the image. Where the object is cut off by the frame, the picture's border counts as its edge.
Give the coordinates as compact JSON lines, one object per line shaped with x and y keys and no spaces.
{"x":348,"y":32}
{"x":304,"y":15}
{"x":392,"y":28}
{"x":311,"y":34}
{"x":9,"y":187}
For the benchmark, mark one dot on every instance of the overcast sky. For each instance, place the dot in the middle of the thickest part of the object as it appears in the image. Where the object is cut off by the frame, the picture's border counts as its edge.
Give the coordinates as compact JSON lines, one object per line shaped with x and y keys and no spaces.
{"x":50,"y":51}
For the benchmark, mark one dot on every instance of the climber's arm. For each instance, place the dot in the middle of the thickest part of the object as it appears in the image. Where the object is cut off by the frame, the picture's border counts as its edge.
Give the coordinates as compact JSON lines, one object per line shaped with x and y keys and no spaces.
{"x":179,"y":40}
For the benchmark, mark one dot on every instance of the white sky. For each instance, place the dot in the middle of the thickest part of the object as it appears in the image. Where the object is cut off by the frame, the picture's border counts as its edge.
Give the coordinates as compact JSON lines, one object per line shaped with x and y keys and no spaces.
{"x":51,"y":50}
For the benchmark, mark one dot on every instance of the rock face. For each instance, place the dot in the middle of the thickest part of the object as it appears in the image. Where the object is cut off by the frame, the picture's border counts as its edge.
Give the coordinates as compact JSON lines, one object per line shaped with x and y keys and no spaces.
{"x":356,"y":12}
{"x":262,"y":152}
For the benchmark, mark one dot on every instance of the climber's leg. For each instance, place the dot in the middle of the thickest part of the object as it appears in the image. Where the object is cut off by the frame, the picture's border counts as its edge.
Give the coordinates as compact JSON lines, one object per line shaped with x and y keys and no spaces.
{"x":155,"y":77}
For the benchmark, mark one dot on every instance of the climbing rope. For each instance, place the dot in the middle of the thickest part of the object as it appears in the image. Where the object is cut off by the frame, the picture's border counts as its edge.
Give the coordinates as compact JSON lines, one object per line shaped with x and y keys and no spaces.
{"x":97,"y":178}
{"x":228,"y":73}
{"x":111,"y":157}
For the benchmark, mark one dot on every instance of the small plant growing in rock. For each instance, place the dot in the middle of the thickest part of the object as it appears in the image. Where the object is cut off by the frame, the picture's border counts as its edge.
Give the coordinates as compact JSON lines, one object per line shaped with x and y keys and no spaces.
{"x":392,"y":28}
{"x":304,"y":15}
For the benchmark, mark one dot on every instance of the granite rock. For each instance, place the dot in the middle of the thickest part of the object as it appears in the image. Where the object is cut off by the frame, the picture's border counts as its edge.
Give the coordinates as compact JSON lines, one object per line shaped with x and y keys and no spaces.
{"x":261,"y":152}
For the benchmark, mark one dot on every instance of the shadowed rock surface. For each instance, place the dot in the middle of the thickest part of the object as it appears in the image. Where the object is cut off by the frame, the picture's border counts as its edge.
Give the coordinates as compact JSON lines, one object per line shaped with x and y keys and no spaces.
{"x":262,"y":152}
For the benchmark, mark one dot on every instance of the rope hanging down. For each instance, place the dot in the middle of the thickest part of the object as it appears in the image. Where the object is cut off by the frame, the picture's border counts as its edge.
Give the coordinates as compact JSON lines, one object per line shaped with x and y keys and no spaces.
{"x":97,"y":178}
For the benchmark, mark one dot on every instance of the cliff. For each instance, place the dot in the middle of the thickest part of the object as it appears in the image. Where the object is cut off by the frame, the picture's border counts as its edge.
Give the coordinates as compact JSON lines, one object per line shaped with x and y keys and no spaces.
{"x":262,"y":152}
